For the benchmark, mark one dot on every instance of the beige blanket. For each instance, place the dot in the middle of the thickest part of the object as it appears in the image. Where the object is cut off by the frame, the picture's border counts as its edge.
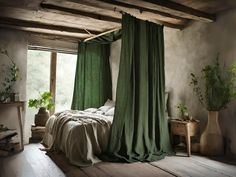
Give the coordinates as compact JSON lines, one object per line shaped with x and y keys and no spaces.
{"x":80,"y":135}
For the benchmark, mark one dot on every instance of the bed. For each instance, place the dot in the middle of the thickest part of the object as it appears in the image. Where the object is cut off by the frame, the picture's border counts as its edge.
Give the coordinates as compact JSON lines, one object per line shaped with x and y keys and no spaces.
{"x":81,"y":135}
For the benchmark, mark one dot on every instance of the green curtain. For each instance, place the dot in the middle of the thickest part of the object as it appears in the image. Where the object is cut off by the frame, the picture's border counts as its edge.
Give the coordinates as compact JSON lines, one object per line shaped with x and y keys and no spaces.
{"x":93,"y":78}
{"x":140,"y":127}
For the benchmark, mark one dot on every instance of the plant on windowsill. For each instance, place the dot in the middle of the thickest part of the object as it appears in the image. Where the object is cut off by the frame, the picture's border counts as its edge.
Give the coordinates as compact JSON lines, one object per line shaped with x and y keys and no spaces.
{"x":7,"y":94}
{"x":219,"y":90}
{"x":44,"y":103}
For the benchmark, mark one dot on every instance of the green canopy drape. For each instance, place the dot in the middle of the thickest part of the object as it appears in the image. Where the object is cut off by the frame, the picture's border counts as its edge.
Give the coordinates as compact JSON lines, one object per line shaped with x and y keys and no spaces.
{"x":140,"y":127}
{"x":93,"y":84}
{"x":93,"y":78}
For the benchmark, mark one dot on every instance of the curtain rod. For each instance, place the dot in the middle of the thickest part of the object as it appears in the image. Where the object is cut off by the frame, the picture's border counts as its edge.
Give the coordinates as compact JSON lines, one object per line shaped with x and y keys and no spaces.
{"x":101,"y":34}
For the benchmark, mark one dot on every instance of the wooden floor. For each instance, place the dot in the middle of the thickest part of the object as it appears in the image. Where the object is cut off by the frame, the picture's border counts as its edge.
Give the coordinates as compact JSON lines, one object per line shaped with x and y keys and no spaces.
{"x":33,"y":162}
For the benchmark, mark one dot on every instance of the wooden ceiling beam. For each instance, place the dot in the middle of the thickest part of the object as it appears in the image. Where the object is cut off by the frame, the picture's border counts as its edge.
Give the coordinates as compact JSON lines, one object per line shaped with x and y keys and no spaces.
{"x":70,"y":7}
{"x":48,"y":35}
{"x":172,"y":22}
{"x":71,"y":23}
{"x":142,"y":9}
{"x":58,"y":34}
{"x":39,"y":25}
{"x":165,"y":6}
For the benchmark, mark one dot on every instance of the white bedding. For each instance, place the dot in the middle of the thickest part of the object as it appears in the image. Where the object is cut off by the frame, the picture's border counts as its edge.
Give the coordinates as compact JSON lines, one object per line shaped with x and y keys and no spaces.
{"x":81,"y":135}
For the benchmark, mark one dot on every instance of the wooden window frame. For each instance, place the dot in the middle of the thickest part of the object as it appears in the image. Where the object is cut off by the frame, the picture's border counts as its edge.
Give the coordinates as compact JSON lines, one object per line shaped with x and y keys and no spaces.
{"x":53,"y":68}
{"x":53,"y":78}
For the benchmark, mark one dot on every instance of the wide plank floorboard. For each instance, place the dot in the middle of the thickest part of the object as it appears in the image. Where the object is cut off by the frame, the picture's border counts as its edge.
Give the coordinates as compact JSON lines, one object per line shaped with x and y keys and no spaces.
{"x":195,"y":166}
{"x":33,"y":162}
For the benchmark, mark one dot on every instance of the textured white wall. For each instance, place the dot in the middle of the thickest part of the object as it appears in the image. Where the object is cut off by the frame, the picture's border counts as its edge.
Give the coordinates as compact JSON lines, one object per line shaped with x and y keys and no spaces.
{"x":114,"y":64}
{"x":188,"y":51}
{"x":16,"y":45}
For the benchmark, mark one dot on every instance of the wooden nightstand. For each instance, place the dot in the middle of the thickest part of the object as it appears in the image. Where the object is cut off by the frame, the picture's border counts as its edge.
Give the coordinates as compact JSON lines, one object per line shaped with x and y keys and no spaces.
{"x":186,"y":129}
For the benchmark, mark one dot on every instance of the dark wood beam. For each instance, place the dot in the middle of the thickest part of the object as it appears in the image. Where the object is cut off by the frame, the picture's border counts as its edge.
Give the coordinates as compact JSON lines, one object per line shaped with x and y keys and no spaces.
{"x":57,"y":21}
{"x":165,"y":6}
{"x":61,"y":7}
{"x":35,"y":24}
{"x":186,"y":11}
{"x":49,"y":34}
{"x":177,"y":23}
{"x":143,"y":9}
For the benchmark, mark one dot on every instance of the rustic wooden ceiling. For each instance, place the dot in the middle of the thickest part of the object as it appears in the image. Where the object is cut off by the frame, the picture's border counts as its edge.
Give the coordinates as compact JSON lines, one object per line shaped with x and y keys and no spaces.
{"x":81,"y":19}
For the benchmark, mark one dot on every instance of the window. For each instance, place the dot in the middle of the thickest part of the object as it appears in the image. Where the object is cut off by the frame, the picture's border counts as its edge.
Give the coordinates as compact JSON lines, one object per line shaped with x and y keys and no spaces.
{"x":41,"y":76}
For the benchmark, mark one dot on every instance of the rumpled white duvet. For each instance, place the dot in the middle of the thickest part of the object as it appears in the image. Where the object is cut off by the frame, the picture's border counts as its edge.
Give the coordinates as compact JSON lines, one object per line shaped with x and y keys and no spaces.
{"x":80,"y":135}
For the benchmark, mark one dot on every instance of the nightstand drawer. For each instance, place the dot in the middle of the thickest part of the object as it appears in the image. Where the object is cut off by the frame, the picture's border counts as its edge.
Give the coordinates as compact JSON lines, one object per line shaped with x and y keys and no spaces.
{"x":178,"y":128}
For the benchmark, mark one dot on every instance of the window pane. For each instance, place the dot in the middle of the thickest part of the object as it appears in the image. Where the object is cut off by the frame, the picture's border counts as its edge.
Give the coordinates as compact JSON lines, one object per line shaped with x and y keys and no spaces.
{"x":66,"y":64}
{"x":38,"y":80}
{"x":38,"y":72}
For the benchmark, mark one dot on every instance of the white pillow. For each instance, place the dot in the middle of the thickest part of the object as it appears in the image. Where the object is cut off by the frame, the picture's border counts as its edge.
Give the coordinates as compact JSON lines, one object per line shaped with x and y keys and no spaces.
{"x":104,"y":108}
{"x":110,"y":112}
{"x":99,"y":112}
{"x":109,"y":103}
{"x":91,"y":110}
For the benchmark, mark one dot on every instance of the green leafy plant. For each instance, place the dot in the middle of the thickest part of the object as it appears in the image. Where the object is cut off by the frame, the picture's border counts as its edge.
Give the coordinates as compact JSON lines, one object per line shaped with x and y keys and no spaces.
{"x":219,"y":86}
{"x":10,"y":79}
{"x":182,"y":110}
{"x":44,"y":100}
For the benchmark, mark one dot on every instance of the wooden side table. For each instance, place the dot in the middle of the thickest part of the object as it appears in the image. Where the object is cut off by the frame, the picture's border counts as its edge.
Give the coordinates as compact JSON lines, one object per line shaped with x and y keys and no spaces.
{"x":186,"y":129}
{"x":20,"y":107}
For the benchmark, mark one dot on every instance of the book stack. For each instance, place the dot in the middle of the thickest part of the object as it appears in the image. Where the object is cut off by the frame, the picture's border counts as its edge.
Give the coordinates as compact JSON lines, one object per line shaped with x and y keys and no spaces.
{"x":37,"y":134}
{"x":7,"y":143}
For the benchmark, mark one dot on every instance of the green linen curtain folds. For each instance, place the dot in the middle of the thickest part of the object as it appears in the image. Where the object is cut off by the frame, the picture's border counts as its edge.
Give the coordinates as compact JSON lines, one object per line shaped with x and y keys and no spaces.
{"x":140,"y":127}
{"x":93,"y":84}
{"x":93,"y":79}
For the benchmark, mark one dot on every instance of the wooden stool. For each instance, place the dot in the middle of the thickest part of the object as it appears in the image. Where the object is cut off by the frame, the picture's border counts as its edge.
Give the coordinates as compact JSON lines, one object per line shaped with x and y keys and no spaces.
{"x":186,"y":129}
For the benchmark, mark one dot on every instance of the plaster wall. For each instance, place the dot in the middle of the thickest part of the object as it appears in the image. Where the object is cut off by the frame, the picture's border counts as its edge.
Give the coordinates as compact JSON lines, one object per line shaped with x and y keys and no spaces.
{"x":114,"y":65}
{"x":188,"y":51}
{"x":16,"y":44}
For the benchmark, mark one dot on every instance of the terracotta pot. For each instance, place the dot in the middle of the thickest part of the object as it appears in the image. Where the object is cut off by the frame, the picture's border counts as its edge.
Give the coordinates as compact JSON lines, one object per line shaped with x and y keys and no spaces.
{"x":211,"y":142}
{"x":42,"y":117}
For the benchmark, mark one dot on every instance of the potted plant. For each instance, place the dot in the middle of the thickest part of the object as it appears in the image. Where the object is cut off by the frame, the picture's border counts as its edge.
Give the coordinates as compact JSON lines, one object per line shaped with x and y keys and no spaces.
{"x":219,"y":90}
{"x":13,"y":73}
{"x":183,"y":111}
{"x":44,"y":103}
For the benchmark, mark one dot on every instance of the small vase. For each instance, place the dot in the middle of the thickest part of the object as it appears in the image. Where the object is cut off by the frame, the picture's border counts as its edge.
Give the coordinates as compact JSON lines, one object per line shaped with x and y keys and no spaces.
{"x":211,"y":142}
{"x":42,"y":117}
